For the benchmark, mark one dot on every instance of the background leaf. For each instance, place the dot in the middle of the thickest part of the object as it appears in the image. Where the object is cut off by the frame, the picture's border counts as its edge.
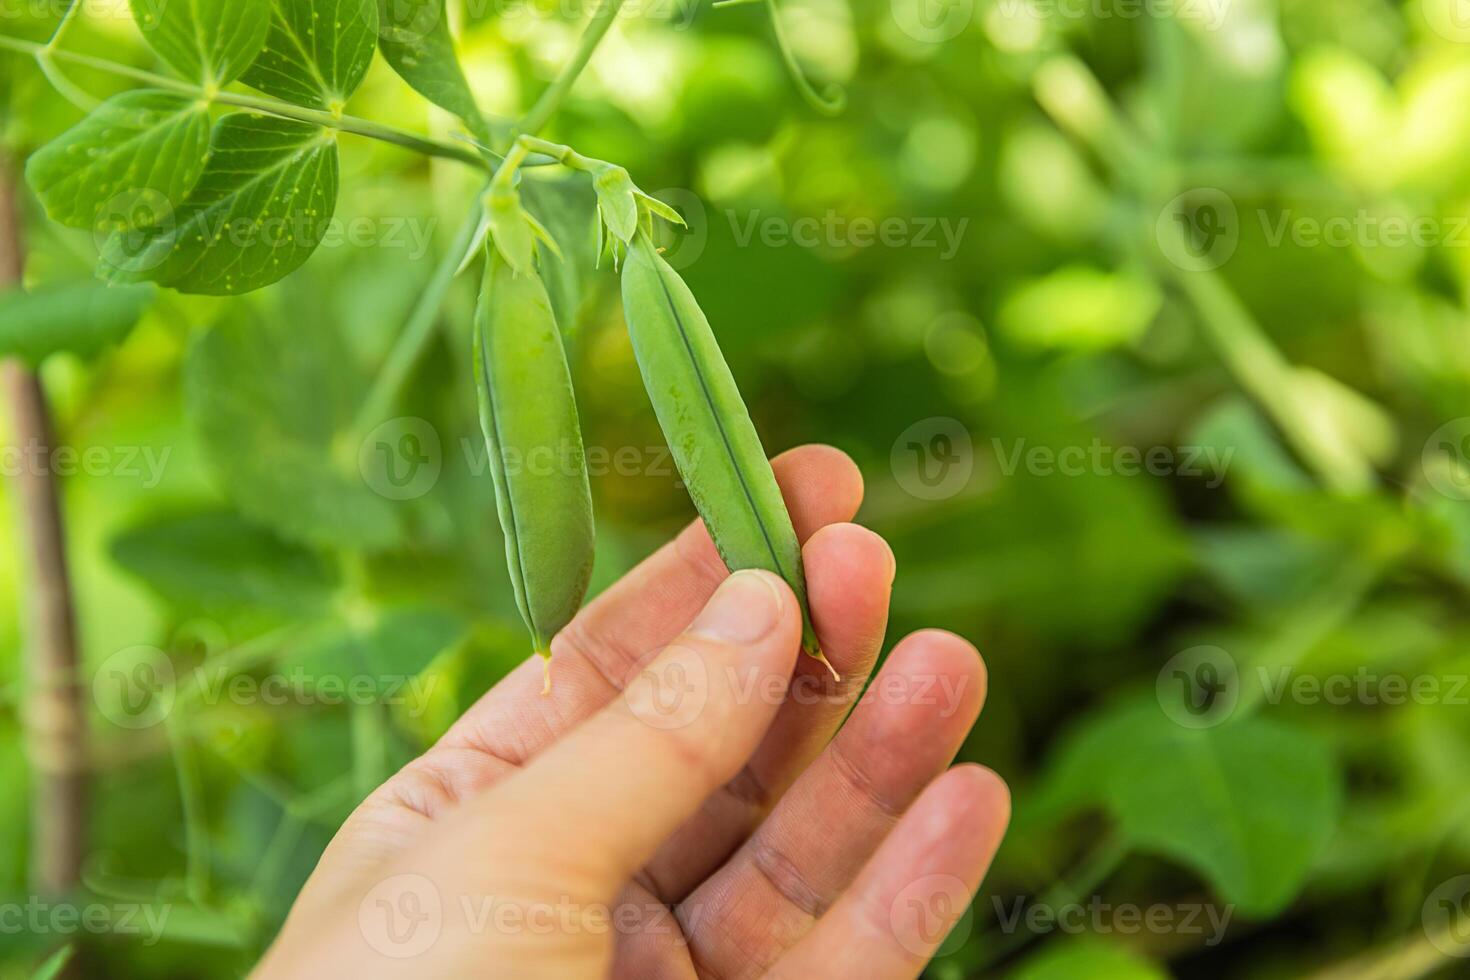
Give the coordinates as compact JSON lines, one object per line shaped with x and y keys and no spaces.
{"x":1249,"y":804}
{"x":214,"y":560}
{"x":271,"y":405}
{"x":136,"y":155}
{"x":1087,"y":959}
{"x":414,"y":38}
{"x":79,"y":318}
{"x":208,"y":41}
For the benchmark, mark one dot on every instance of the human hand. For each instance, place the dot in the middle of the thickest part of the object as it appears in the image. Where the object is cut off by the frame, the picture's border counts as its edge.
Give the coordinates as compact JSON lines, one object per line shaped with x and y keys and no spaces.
{"x":678,"y":805}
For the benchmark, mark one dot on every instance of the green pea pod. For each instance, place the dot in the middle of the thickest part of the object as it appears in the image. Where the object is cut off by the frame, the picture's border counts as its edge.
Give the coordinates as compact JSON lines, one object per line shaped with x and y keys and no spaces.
{"x":529,"y":416}
{"x":709,"y":431}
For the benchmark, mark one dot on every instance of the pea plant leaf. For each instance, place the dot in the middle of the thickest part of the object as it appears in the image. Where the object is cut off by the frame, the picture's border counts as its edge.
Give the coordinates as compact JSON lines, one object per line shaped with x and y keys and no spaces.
{"x":1248,"y":804}
{"x":208,"y":41}
{"x":414,"y":38}
{"x":82,"y":318}
{"x":261,"y":207}
{"x":140,"y":151}
{"x":270,"y":402}
{"x":317,"y":51}
{"x":392,"y":645}
{"x":214,"y":560}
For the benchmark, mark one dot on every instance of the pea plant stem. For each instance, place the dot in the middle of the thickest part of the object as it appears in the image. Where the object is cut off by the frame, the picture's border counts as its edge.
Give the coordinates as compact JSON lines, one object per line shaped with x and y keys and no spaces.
{"x":1095,"y":869}
{"x":45,"y":53}
{"x":56,"y":721}
{"x":551,"y":99}
{"x":1071,"y":94}
{"x":416,"y":333}
{"x":415,"y":336}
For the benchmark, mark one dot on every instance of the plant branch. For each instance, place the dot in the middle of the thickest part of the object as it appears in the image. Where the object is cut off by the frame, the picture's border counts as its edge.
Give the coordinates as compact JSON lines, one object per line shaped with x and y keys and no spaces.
{"x":274,"y":107}
{"x":1071,"y":94}
{"x":416,"y":333}
{"x":551,"y":99}
{"x":410,"y":344}
{"x":56,"y":733}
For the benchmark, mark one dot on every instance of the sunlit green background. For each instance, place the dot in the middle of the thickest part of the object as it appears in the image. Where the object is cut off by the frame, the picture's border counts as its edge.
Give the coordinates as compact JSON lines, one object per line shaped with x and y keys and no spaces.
{"x":1084,"y":305}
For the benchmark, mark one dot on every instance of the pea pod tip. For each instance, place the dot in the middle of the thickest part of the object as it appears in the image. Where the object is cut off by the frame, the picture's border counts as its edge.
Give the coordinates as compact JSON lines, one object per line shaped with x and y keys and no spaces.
{"x":815,"y":652}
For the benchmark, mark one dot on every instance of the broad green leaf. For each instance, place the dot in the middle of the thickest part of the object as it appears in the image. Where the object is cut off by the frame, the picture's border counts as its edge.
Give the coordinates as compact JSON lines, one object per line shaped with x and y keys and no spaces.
{"x":208,"y":41}
{"x":260,"y":209}
{"x":1249,"y":804}
{"x":1087,"y":959}
{"x":217,"y":560}
{"x":138,"y":154}
{"x":392,"y":645}
{"x":81,"y":318}
{"x":414,"y":38}
{"x":270,"y":401}
{"x":317,"y":51}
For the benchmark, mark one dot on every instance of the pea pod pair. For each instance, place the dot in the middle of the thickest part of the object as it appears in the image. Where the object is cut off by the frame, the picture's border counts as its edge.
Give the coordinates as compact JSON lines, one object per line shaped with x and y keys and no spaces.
{"x":708,"y":429}
{"x":529,"y":417}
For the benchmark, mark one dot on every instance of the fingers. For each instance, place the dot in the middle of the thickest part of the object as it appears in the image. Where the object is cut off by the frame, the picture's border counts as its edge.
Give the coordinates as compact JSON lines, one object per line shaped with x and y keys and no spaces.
{"x":902,"y":735}
{"x":596,"y":804}
{"x":595,"y":656}
{"x":622,"y":628}
{"x":619,"y":629}
{"x":849,"y":573}
{"x":905,"y":902}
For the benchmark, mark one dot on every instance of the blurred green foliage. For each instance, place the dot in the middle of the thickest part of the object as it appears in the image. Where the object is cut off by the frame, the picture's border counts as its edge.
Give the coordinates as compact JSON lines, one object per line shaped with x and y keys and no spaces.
{"x":1142,"y":293}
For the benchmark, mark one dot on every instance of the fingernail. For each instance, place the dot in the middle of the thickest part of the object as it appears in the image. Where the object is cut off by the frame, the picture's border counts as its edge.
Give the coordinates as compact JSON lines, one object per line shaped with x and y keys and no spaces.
{"x":743,"y":609}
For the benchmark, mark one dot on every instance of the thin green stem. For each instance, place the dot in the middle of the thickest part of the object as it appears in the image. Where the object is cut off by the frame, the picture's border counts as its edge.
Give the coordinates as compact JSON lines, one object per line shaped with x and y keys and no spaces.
{"x":66,"y":21}
{"x":196,"y":831}
{"x":1095,"y":869}
{"x":828,"y":103}
{"x":420,"y":327}
{"x":551,"y":99}
{"x":274,"y":107}
{"x":68,"y":89}
{"x":1071,"y":94}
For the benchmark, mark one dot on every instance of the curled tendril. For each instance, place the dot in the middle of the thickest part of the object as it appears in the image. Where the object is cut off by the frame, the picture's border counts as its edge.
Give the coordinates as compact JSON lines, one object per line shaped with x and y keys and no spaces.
{"x":831,"y":100}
